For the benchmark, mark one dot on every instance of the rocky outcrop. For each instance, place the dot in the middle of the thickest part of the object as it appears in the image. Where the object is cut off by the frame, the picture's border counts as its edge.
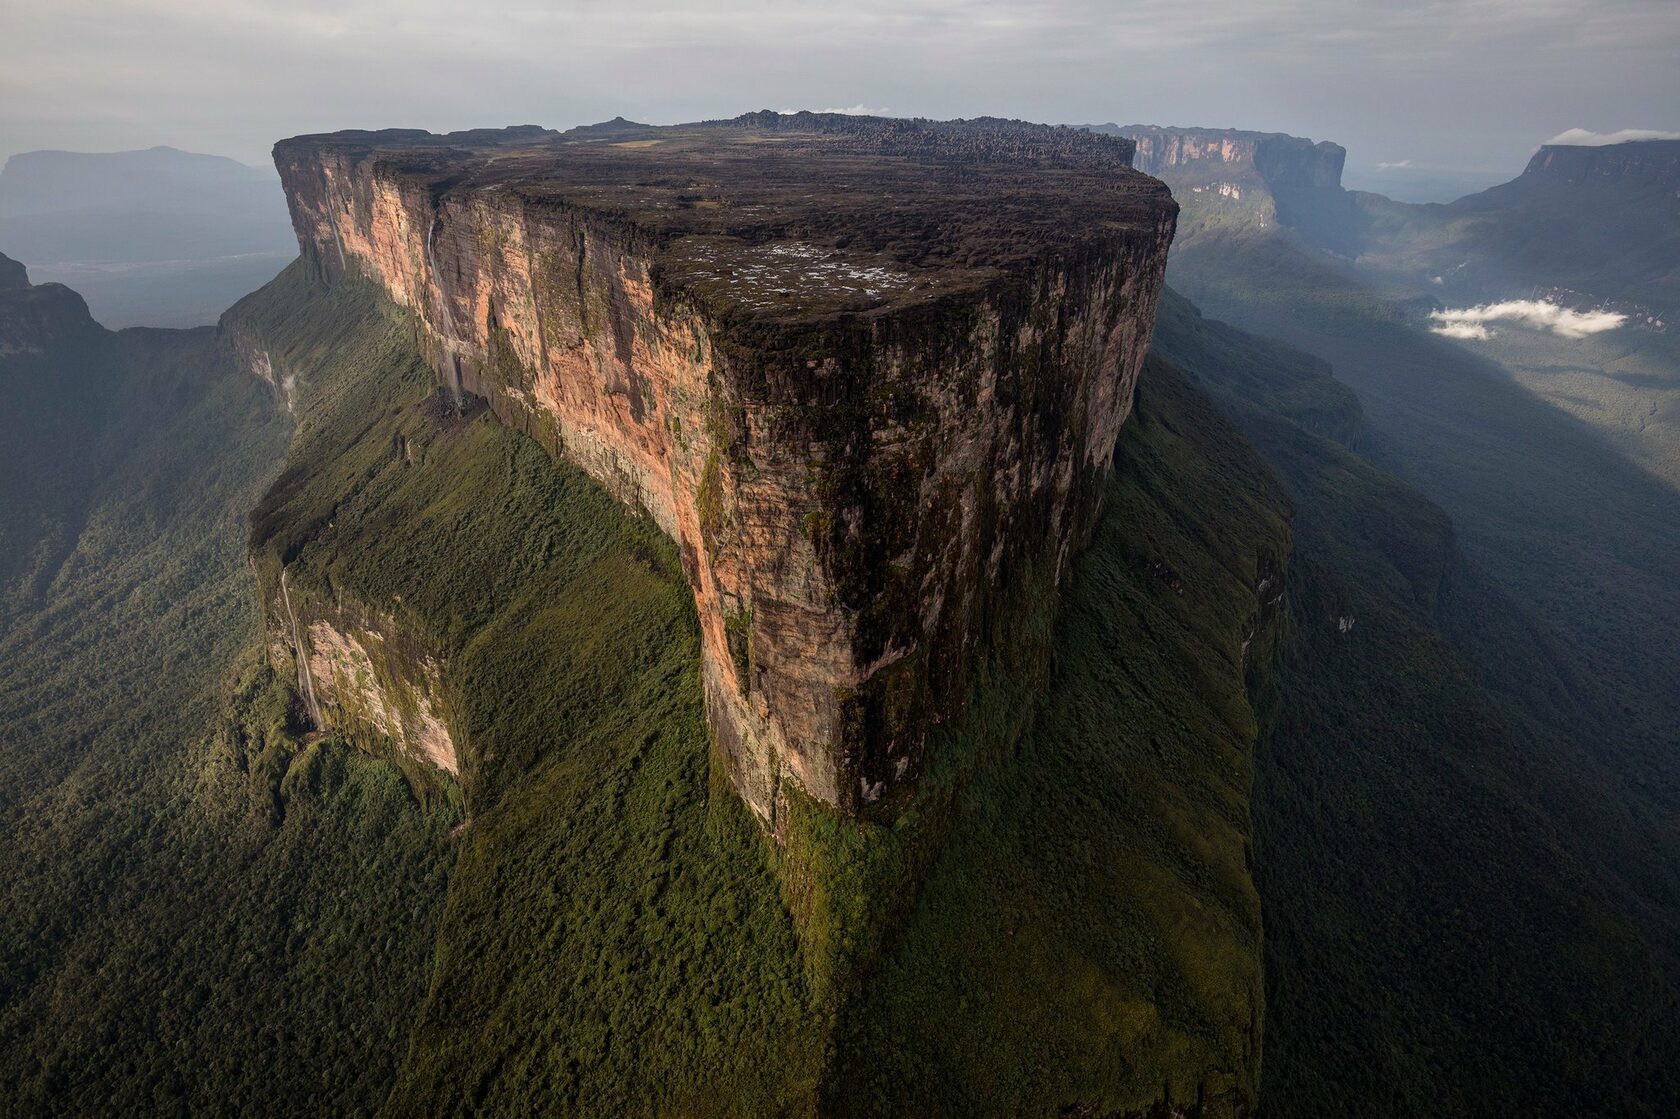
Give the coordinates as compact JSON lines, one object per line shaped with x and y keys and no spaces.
{"x":868,"y":374}
{"x":40,"y":318}
{"x":12,"y":273}
{"x":362,"y":675}
{"x":252,"y":355}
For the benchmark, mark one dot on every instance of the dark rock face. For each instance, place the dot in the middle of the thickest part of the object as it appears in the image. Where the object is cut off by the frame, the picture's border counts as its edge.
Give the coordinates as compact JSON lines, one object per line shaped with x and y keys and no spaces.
{"x":12,"y":273}
{"x":1590,"y":225}
{"x":1654,"y":160}
{"x":39,"y":318}
{"x":867,"y":373}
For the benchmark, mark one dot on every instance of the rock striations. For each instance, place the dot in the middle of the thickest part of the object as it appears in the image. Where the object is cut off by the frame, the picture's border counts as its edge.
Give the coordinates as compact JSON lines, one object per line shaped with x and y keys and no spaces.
{"x":867,"y":373}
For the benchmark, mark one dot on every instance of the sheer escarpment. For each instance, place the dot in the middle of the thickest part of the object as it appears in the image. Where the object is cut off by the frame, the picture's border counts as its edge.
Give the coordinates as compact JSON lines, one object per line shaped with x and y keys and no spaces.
{"x":1231,"y":181}
{"x":867,"y":374}
{"x":1284,"y":160}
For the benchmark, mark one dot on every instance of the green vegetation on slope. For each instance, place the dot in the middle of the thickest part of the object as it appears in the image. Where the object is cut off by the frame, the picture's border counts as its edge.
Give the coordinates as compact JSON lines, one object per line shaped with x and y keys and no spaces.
{"x":1586,"y":541}
{"x":620,"y":935}
{"x":1461,"y":911}
{"x":1089,"y":936}
{"x":614,"y":939}
{"x":1466,"y":910}
{"x":192,"y":920}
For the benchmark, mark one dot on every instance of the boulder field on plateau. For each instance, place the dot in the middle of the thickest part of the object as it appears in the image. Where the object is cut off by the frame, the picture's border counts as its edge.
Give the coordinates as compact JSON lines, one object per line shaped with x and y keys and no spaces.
{"x":867,"y":374}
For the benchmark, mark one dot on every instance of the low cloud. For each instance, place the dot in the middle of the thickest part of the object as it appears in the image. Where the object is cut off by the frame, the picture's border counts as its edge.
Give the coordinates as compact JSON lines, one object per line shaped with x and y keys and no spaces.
{"x":1580,"y":137}
{"x":1399,"y":163}
{"x":1472,"y":323}
{"x":858,"y":110}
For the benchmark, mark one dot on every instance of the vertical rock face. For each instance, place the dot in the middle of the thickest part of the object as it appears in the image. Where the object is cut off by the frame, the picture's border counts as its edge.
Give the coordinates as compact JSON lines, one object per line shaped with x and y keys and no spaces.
{"x":868,"y":374}
{"x":1285,"y":161}
{"x":1229,"y":180}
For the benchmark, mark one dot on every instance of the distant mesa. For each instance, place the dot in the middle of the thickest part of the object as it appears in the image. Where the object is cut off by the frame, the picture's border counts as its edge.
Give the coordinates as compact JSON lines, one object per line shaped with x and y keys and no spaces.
{"x":1656,"y":159}
{"x":157,"y":237}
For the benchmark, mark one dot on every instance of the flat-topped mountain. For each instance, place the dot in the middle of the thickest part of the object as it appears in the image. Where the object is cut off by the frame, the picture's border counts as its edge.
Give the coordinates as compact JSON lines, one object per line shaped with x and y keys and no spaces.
{"x":1282,"y":159}
{"x":1229,"y":180}
{"x":1598,"y":223}
{"x":902,"y":211}
{"x":867,"y":373}
{"x":1656,"y":161}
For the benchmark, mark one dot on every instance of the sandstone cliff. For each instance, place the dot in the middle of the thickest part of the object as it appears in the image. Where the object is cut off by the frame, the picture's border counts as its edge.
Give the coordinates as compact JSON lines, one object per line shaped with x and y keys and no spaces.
{"x":363,"y":675}
{"x":1283,"y":160}
{"x":868,"y":374}
{"x":1587,"y":226}
{"x":1229,"y":180}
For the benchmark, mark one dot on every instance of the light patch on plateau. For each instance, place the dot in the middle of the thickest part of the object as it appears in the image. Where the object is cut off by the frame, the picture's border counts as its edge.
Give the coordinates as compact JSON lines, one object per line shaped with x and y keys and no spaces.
{"x":1474,"y":323}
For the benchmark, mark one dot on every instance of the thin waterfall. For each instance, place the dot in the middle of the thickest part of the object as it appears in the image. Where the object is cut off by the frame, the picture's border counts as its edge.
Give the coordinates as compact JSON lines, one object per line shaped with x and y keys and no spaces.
{"x":452,"y":368}
{"x":332,"y":220}
{"x":306,"y":682}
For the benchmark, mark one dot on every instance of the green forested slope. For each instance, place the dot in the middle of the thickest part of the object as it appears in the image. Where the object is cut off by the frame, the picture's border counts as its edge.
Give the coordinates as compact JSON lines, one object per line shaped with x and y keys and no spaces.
{"x":263,"y":922}
{"x":1089,"y":937}
{"x":182,"y":929}
{"x":617,"y":935}
{"x":1466,"y":911}
{"x":206,"y":910}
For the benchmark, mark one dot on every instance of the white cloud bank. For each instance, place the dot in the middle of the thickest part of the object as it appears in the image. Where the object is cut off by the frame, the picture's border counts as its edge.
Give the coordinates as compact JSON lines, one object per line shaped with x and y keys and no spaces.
{"x":1580,"y":137}
{"x":1399,"y":163}
{"x":1471,"y":323}
{"x":858,"y":110}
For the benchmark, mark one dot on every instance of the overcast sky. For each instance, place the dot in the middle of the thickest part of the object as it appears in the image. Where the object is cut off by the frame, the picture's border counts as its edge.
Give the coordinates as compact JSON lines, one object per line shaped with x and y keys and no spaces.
{"x":1475,"y":84}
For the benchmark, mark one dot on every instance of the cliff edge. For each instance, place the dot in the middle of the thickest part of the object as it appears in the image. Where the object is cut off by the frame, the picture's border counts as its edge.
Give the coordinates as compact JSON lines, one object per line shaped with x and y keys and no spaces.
{"x":868,"y":374}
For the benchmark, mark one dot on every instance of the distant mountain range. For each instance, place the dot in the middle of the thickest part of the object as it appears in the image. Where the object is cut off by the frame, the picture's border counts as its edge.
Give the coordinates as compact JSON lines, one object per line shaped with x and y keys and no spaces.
{"x":158,"y":237}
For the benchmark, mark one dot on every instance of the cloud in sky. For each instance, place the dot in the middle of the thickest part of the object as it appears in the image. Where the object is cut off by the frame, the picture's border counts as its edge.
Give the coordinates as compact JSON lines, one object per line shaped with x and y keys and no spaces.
{"x":1471,"y":323}
{"x":1580,"y":137}
{"x":858,"y":110}
{"x":1396,"y":165}
{"x":1375,"y":75}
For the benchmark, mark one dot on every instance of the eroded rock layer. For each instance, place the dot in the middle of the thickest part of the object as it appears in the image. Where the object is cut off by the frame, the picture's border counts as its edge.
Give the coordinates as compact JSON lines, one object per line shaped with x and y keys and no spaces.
{"x":868,"y":374}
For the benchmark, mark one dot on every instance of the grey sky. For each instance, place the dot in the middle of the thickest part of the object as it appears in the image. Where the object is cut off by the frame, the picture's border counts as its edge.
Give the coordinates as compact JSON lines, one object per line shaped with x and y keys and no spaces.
{"x":1473,"y":84}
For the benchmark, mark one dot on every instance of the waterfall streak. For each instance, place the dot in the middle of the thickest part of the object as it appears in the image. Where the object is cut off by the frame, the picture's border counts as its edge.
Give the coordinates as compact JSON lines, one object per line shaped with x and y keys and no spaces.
{"x":306,"y":683}
{"x":332,"y":220}
{"x":452,"y":376}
